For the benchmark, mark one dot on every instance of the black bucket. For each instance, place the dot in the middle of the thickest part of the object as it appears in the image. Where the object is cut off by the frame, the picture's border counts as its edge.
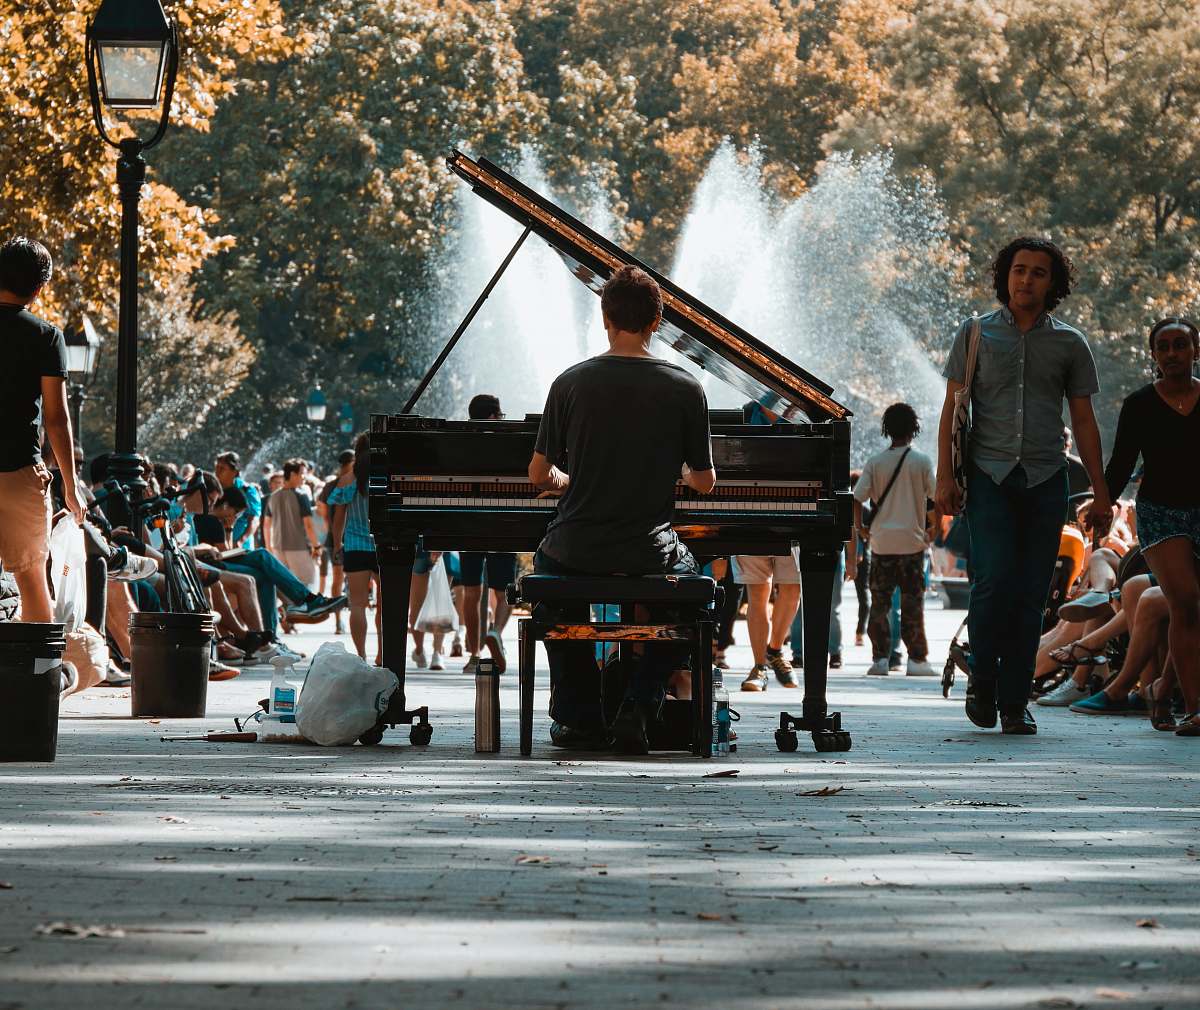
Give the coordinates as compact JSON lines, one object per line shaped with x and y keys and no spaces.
{"x":169,"y":664}
{"x":30,"y":683}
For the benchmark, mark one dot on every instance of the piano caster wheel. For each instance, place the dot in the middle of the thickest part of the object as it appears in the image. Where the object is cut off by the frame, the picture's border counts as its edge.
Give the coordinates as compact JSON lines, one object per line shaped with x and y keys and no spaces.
{"x":372,"y":736}
{"x":843,"y":740}
{"x":786,"y":740}
{"x":420,"y":734}
{"x":825,"y":741}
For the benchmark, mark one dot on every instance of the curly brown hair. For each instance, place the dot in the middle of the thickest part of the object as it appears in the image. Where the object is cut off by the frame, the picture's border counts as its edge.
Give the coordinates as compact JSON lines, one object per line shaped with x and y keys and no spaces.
{"x":1062,"y":270}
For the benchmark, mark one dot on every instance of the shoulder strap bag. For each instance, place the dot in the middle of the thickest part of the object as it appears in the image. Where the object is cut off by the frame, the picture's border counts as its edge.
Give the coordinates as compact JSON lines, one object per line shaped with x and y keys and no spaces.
{"x":869,"y":514}
{"x":961,"y":422}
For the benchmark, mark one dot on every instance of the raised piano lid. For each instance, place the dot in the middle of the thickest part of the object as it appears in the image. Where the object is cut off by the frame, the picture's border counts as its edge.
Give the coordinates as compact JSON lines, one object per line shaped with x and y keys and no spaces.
{"x":691,"y":327}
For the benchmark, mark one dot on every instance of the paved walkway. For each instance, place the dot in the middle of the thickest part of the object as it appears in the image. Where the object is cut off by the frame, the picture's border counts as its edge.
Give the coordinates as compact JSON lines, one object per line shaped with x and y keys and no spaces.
{"x":933,"y":866}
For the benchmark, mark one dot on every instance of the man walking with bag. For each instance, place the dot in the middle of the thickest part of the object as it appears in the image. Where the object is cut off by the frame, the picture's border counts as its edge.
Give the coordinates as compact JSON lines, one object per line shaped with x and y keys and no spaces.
{"x":1014,"y":474}
{"x":900,"y":480}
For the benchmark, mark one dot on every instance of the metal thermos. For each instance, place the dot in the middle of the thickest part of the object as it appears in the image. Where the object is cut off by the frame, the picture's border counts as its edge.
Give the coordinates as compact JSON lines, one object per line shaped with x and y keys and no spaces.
{"x":487,"y":707}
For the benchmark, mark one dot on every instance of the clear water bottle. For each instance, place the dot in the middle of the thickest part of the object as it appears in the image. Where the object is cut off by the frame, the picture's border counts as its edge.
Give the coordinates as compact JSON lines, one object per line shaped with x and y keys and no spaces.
{"x":720,"y":735}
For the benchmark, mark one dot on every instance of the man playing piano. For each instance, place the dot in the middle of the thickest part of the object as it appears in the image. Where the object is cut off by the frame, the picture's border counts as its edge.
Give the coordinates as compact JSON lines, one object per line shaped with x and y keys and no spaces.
{"x":624,"y":424}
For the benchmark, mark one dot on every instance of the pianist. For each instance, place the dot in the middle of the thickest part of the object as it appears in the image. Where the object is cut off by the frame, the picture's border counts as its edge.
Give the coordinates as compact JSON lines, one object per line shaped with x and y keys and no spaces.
{"x":616,"y":432}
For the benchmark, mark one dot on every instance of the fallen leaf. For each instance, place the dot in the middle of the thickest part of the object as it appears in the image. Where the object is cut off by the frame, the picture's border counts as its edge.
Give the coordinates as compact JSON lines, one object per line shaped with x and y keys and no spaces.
{"x":172,"y":819}
{"x":1140,"y":965}
{"x":153,"y":722}
{"x":1147,"y":924}
{"x":5,"y":885}
{"x":709,"y":916}
{"x":823,"y":791}
{"x":166,"y":859}
{"x":532,"y":860}
{"x":728,"y":773}
{"x":1057,"y":1002}
{"x":74,"y":931}
{"x":9,"y":950}
{"x":1105,"y":993}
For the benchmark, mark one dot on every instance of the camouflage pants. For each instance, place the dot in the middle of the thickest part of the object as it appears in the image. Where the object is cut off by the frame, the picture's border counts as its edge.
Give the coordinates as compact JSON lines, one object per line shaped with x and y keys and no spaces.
{"x":908,"y":572}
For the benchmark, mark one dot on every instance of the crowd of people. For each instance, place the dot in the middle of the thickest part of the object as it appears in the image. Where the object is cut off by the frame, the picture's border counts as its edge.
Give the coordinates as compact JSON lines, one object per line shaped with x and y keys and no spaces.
{"x":1079,"y":597}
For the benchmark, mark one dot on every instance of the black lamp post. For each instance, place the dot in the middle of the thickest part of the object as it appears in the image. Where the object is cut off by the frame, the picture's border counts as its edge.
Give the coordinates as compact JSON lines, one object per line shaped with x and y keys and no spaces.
{"x":131,"y":54}
{"x":83,"y":354}
{"x":316,"y":406}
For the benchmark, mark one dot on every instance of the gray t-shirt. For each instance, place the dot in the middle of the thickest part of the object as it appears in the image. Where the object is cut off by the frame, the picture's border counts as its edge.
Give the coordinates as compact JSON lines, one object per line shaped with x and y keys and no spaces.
{"x":1017,"y":393}
{"x":287,"y":509}
{"x":622,"y":428}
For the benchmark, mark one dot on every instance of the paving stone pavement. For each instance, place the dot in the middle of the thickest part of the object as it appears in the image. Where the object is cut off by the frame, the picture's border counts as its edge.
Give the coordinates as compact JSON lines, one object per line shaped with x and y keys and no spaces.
{"x":945,"y":867}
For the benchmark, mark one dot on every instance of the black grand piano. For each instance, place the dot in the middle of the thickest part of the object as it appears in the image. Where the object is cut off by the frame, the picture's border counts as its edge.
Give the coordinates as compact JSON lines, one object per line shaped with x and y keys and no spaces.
{"x":462,"y":485}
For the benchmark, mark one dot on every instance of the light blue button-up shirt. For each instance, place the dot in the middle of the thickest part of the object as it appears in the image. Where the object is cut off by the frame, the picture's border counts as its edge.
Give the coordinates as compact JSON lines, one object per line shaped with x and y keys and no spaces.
{"x":1017,"y":395}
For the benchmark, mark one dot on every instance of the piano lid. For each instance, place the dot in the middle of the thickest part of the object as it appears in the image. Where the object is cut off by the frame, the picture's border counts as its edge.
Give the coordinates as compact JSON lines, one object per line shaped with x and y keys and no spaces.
{"x":691,"y":327}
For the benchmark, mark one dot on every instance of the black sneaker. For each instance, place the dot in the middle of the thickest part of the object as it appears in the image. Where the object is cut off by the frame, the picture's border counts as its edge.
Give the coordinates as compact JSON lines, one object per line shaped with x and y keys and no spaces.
{"x":317,"y":606}
{"x":629,"y":730}
{"x":981,"y":702}
{"x":1017,"y":722}
{"x":569,"y":738}
{"x":835,"y":661}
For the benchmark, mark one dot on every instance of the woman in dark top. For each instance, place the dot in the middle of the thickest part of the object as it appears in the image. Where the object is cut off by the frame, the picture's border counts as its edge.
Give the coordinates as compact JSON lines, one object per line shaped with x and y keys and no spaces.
{"x":1161,"y":422}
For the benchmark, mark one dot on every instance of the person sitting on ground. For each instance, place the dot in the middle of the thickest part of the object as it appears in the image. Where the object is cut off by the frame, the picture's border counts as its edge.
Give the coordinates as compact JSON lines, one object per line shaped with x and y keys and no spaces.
{"x":32,"y":394}
{"x":1161,"y":423}
{"x":900,"y":482}
{"x":628,"y":425}
{"x":228,"y":469}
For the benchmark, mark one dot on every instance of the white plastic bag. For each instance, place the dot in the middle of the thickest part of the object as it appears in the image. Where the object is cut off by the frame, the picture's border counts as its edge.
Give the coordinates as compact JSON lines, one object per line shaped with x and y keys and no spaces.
{"x":437,"y":613}
{"x":342,"y":697}
{"x":67,"y":560}
{"x":88,"y":653}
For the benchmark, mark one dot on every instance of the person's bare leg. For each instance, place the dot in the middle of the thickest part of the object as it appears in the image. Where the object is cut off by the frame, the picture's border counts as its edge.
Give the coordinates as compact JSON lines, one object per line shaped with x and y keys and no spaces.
{"x":116,"y":621}
{"x":1144,"y":638}
{"x":378,"y":622}
{"x":240,"y":588}
{"x":360,"y":589}
{"x":230,"y":625}
{"x":787,"y":600}
{"x":1174,"y":565}
{"x":1063,"y":633}
{"x":501,"y":609}
{"x":470,"y":609}
{"x":757,"y":622}
{"x":36,"y":607}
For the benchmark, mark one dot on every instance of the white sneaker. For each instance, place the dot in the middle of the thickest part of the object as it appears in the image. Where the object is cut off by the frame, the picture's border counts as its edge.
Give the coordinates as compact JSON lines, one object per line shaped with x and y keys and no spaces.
{"x":920,"y":668}
{"x":879,"y":668}
{"x":136,"y":568}
{"x":1067,"y":693}
{"x":436,"y":663}
{"x":471,"y":665}
{"x":419,"y":660}
{"x":265,"y":653}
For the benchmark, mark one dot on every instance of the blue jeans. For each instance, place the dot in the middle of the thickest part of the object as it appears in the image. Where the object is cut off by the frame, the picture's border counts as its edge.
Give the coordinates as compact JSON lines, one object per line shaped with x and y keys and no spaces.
{"x":1015,"y":533}
{"x":575,"y":685}
{"x":835,"y":615}
{"x":269,"y":575}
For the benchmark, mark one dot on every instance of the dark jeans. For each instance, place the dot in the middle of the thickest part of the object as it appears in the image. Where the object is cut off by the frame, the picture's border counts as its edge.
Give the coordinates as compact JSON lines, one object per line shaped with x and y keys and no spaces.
{"x":1015,"y":532}
{"x":270,"y":575}
{"x":575,"y":686}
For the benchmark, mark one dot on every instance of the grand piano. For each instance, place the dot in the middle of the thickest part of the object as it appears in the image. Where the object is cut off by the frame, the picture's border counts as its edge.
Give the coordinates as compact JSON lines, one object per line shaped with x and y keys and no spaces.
{"x":462,"y":485}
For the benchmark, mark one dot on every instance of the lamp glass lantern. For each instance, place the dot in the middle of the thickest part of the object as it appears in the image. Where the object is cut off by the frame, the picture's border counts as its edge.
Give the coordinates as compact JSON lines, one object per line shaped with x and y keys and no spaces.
{"x":132,"y":40}
{"x":83,"y":351}
{"x":316,"y":406}
{"x":345,"y":419}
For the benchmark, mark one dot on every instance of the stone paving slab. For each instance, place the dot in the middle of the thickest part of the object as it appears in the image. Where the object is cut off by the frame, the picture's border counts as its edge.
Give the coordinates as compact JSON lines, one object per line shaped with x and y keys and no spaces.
{"x":952,"y":869}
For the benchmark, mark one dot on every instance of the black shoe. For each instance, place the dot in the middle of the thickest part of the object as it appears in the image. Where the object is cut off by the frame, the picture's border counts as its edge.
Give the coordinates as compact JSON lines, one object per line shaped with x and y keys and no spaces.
{"x":894,"y":662}
{"x":629,"y":730}
{"x":981,"y":703}
{"x":835,"y":661}
{"x":570,"y":738}
{"x":1017,"y":722}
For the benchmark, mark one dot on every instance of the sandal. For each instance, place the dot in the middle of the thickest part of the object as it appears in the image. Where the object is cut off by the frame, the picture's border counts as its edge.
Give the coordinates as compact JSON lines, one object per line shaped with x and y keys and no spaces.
{"x":1190,"y":725}
{"x":1159,"y":708}
{"x":1067,"y":657}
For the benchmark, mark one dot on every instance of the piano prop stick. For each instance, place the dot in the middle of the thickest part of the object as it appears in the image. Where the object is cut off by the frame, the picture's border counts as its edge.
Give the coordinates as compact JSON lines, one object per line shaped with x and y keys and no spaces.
{"x":462,"y":485}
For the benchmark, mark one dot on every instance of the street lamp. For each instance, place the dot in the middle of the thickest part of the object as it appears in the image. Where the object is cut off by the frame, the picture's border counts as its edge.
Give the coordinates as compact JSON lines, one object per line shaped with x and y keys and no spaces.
{"x":346,"y":419}
{"x":132,"y":61}
{"x":83,"y":354}
{"x":317,"y":405}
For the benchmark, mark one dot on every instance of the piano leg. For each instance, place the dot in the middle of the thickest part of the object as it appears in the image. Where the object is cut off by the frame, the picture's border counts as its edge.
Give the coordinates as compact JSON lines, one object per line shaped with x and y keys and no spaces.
{"x":817,"y":571}
{"x":395,"y":575}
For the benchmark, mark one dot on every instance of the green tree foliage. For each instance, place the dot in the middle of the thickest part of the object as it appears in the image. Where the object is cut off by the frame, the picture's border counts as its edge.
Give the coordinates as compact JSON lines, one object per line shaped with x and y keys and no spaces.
{"x":328,"y":170}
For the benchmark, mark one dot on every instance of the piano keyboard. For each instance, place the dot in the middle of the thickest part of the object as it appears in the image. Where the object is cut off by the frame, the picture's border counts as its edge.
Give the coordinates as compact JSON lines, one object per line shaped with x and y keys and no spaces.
{"x":501,"y":493}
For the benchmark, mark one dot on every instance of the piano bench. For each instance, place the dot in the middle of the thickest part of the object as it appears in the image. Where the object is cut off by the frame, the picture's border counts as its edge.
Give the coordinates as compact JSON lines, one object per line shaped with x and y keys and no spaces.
{"x":690,"y":590}
{"x":698,"y":597}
